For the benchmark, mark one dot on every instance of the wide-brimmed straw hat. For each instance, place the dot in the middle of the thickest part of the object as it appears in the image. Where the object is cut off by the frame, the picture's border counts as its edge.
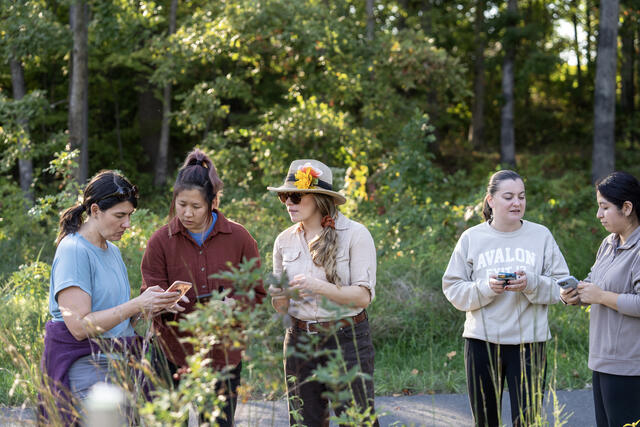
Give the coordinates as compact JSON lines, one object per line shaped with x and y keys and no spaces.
{"x":309,"y":176}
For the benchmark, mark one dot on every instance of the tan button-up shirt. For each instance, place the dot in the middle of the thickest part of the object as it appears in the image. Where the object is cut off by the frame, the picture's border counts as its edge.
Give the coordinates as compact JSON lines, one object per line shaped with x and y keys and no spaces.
{"x":614,"y":336}
{"x":355,"y":259}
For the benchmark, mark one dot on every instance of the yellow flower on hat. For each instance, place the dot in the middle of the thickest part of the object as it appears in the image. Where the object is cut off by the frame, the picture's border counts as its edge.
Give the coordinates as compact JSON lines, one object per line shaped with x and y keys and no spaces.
{"x":306,"y":178}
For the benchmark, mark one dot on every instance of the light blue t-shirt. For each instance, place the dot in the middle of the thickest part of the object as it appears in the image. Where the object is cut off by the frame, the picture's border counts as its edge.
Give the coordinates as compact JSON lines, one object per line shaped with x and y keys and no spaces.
{"x":201,"y":237}
{"x":101,"y":273}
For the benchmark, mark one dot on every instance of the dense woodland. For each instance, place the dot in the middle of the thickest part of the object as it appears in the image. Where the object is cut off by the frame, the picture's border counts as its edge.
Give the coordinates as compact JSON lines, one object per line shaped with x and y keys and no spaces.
{"x":134,"y":84}
{"x":414,"y":104}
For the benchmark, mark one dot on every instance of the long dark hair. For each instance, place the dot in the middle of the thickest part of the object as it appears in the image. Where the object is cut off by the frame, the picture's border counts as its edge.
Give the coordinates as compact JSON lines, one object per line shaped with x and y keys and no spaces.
{"x":620,"y":187}
{"x":197,"y":173}
{"x":106,"y":189}
{"x":492,"y":188}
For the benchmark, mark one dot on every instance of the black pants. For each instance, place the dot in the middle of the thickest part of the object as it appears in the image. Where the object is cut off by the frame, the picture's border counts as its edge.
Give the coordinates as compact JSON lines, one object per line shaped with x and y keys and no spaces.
{"x":616,"y":399}
{"x":489,"y":365}
{"x":309,"y":399}
{"x":227,"y":388}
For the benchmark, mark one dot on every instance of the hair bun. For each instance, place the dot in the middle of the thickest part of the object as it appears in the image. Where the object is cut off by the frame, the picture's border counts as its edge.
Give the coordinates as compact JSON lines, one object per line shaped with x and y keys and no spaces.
{"x":198,"y":162}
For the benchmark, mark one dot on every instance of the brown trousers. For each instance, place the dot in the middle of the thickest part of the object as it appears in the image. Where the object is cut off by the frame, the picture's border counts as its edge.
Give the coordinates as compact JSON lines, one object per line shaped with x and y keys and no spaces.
{"x":309,"y":399}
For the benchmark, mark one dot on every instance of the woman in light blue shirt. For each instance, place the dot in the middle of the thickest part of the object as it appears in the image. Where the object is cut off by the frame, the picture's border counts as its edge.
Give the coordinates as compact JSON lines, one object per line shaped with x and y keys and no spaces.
{"x":89,"y":289}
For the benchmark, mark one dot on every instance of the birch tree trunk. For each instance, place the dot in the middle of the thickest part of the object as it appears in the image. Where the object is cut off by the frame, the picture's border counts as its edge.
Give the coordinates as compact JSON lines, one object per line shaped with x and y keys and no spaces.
{"x":604,"y":106}
{"x":507,"y":132}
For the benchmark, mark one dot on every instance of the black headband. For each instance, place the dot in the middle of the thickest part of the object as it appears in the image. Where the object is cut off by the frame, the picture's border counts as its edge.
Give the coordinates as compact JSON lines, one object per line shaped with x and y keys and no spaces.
{"x":321,"y":183}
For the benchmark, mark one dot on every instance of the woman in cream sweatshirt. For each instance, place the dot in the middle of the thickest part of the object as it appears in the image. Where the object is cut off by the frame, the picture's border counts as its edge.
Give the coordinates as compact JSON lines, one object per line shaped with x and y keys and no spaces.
{"x":506,"y":327}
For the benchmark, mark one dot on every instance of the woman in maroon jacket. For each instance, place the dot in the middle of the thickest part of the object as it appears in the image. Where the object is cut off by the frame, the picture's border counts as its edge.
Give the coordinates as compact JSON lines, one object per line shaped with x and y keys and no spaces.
{"x":198,"y":242}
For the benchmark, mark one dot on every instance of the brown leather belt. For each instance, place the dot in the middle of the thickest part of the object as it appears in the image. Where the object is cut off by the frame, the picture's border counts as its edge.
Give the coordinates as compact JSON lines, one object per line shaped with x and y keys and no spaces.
{"x":315,"y":327}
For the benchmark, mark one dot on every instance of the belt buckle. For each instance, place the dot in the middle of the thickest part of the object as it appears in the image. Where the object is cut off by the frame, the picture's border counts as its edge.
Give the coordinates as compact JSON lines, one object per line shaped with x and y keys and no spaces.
{"x":307,"y":327}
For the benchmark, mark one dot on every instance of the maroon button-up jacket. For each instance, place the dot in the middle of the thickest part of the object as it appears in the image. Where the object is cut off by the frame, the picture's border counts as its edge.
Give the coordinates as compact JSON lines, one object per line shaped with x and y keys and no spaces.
{"x":172,"y":255}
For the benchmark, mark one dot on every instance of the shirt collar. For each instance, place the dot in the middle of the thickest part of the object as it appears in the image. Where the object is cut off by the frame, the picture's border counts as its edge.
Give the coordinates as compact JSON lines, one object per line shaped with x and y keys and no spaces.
{"x":631,"y":241}
{"x":342,"y":223}
{"x":222,"y":225}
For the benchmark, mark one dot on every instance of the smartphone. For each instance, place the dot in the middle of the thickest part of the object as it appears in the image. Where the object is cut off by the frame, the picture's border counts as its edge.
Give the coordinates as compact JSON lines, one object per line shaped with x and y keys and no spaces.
{"x":179,"y":286}
{"x":568,"y":282}
{"x":506,"y":277}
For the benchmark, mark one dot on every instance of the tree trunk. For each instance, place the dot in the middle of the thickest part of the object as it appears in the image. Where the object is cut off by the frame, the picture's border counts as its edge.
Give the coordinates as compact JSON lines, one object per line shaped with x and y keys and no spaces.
{"x":149,"y":123}
{"x":404,"y":6}
{"x":604,"y":106}
{"x":507,"y":132}
{"x":25,"y":164}
{"x":118,"y":132}
{"x":477,"y":121}
{"x":116,"y":115}
{"x":370,"y":19}
{"x":160,"y":177}
{"x":627,"y":35}
{"x":79,"y":87}
{"x":427,"y":24}
{"x":589,"y":36}
{"x":576,"y":43}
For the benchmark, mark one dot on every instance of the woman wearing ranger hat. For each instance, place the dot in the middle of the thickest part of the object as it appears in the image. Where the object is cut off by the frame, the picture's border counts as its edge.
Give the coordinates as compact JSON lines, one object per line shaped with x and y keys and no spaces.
{"x":330,"y":264}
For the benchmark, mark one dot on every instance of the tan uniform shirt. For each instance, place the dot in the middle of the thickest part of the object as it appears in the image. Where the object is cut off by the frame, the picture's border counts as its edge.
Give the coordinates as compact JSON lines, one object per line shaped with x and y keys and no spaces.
{"x":355,"y":259}
{"x":614,"y":336}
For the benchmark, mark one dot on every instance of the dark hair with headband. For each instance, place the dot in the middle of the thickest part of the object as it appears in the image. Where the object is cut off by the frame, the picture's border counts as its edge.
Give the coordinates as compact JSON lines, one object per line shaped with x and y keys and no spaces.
{"x":197,"y":173}
{"x":492,"y":189}
{"x":106,"y":189}
{"x":620,"y":187}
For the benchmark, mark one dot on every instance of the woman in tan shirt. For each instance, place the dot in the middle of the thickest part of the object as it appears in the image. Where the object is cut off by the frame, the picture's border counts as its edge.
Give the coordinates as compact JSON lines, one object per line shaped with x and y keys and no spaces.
{"x":330,"y":264}
{"x":612,"y":288}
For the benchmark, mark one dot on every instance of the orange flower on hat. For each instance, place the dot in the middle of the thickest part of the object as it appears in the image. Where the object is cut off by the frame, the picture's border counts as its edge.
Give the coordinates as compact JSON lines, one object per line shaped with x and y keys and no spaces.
{"x":306,"y":177}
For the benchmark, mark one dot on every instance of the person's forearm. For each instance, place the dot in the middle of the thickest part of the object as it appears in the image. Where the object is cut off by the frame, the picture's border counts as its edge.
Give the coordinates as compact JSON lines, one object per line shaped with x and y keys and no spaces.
{"x":99,"y":322}
{"x":356,"y":296}
{"x":610,"y":299}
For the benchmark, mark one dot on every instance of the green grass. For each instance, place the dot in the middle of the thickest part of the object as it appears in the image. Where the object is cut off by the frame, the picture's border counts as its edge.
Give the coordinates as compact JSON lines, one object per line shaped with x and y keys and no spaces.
{"x":414,"y":366}
{"x":21,"y":343}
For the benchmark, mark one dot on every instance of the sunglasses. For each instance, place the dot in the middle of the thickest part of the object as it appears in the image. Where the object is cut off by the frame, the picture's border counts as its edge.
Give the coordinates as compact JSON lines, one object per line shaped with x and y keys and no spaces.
{"x":123,"y":193}
{"x":295,"y":197}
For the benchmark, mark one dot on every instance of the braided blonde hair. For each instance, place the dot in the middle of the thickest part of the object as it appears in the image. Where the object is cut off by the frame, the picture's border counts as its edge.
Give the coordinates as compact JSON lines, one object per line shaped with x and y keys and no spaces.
{"x":324,"y":247}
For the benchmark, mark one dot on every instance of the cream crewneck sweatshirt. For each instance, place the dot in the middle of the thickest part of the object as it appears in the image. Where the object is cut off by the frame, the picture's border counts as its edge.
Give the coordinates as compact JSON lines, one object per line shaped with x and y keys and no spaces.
{"x":511,"y":317}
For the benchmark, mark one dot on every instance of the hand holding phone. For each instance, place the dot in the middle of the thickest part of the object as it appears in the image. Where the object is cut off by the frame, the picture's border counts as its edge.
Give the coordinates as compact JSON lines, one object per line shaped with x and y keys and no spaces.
{"x":506,"y":277}
{"x":179,"y":286}
{"x":568,"y":283}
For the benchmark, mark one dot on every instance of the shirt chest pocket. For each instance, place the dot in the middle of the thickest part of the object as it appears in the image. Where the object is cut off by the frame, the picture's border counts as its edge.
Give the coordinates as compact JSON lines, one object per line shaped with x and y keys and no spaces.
{"x":292,"y":262}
